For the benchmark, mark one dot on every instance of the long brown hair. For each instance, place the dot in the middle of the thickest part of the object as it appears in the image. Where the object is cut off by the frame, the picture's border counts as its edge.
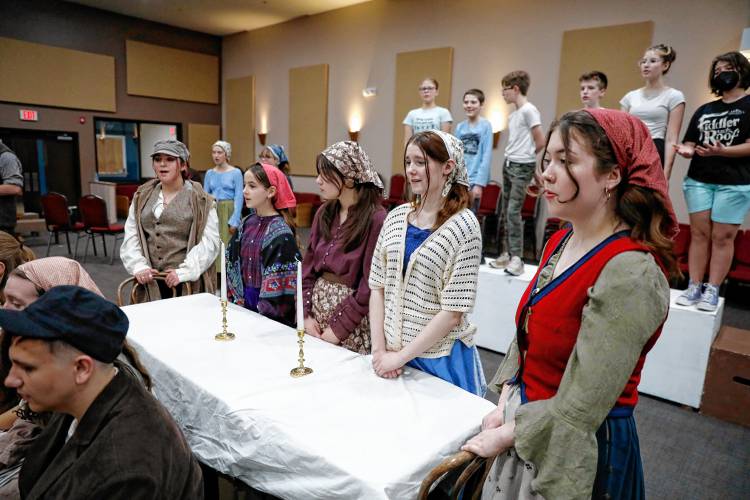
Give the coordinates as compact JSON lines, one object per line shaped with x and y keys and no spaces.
{"x":260,"y":174}
{"x":433,"y":147}
{"x":644,"y":210}
{"x":359,"y":219}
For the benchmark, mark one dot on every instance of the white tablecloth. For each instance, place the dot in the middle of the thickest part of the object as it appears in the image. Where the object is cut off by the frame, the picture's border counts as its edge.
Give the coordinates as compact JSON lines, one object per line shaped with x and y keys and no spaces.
{"x":341,"y":432}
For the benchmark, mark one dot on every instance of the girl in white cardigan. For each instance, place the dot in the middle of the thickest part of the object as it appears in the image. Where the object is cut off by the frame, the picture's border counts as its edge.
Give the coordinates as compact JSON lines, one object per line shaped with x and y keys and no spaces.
{"x":424,"y":270}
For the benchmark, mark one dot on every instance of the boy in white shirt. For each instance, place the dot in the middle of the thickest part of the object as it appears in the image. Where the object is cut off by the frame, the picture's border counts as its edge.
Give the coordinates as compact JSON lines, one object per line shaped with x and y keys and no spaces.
{"x":593,"y":87}
{"x":525,"y":140}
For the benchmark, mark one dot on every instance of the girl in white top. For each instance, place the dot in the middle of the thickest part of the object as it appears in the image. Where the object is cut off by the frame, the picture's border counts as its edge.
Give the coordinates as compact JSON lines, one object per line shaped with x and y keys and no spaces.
{"x":423,"y":278}
{"x":430,"y":116}
{"x":660,"y":107}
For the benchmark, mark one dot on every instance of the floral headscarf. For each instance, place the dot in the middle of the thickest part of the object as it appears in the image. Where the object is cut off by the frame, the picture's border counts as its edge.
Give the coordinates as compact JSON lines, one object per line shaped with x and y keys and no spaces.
{"x":352,"y":162}
{"x":225,"y":146}
{"x":455,"y":147}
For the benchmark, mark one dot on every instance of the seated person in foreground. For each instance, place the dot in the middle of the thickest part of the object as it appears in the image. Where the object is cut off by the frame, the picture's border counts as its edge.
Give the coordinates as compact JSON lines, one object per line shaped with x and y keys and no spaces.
{"x":25,"y":284}
{"x":172,"y":228}
{"x":109,"y":438}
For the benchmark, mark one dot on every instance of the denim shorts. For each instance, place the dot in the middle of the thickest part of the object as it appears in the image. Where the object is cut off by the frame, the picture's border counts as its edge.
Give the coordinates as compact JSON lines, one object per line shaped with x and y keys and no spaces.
{"x":728,"y":203}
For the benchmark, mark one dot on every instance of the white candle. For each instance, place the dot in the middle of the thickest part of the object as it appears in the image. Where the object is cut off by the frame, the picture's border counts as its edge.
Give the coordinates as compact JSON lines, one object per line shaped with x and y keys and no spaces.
{"x":300,"y":306}
{"x":223,"y":272}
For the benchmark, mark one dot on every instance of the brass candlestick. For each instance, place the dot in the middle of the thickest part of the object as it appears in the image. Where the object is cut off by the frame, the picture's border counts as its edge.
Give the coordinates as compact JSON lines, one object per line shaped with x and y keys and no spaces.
{"x":224,"y":335}
{"x":301,"y":370}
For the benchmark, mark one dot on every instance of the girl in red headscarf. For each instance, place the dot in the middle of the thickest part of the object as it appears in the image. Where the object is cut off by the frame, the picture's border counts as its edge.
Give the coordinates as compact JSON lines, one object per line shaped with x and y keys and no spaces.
{"x":262,"y":255}
{"x":564,"y":424}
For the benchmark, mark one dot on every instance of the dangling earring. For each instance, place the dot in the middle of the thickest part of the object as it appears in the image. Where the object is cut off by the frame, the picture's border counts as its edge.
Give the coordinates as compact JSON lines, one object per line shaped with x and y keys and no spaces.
{"x":417,"y":201}
{"x":446,"y":189}
{"x":607,"y":193}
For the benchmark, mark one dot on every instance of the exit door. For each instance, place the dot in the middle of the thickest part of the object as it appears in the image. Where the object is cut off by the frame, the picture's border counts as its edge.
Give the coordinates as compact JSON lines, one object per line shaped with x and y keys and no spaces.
{"x":49,"y":161}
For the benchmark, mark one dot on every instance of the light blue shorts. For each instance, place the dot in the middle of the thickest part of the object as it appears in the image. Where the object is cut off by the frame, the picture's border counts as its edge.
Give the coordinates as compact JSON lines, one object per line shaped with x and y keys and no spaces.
{"x":729,"y":204}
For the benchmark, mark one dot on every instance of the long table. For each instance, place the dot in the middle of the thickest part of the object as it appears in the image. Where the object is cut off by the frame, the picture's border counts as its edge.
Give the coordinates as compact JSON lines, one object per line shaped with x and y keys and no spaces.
{"x":675,"y":368}
{"x":341,"y":432}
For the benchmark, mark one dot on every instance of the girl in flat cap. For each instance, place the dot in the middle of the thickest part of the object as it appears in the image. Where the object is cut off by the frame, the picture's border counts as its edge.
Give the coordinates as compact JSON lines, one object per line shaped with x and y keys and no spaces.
{"x":564,"y":424}
{"x":262,"y":255}
{"x":425,"y":268}
{"x":224,"y":183}
{"x":343,"y":236}
{"x":172,"y":227}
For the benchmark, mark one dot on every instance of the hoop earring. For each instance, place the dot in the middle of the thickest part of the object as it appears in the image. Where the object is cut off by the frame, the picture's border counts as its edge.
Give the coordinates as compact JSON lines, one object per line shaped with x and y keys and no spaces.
{"x":446,"y":189}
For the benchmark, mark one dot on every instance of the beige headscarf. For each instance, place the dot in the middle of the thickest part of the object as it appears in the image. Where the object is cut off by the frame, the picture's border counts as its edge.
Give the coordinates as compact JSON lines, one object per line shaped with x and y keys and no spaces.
{"x":56,"y":271}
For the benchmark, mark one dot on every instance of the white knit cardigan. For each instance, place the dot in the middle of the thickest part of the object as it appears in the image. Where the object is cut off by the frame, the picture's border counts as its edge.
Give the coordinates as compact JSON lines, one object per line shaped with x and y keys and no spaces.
{"x":441,"y":276}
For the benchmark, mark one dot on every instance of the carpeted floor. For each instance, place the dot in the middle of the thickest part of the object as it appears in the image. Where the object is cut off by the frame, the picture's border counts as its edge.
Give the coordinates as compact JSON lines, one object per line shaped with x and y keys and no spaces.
{"x":686,"y":455}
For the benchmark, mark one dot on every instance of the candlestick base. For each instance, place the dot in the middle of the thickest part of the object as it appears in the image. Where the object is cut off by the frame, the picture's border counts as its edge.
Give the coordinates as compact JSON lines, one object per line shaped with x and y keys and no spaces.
{"x":301,"y":370}
{"x":224,"y":335}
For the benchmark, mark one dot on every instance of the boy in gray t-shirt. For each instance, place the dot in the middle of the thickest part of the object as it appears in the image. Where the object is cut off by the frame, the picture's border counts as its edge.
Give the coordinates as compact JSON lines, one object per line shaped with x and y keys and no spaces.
{"x":525,"y":140}
{"x":12,"y":186}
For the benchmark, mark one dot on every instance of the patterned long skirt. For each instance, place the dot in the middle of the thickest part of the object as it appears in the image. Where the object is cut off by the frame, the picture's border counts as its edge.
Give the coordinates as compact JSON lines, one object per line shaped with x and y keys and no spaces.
{"x":326,"y":298}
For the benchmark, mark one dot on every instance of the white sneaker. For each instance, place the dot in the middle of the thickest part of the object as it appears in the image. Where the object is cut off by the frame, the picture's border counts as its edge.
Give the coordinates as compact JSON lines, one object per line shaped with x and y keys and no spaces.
{"x":515,"y":267}
{"x":710,"y":298}
{"x":501,"y":262}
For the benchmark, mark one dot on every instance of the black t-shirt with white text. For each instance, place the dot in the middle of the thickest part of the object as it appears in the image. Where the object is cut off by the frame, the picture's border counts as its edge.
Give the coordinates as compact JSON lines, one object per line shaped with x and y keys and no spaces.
{"x":728,"y":123}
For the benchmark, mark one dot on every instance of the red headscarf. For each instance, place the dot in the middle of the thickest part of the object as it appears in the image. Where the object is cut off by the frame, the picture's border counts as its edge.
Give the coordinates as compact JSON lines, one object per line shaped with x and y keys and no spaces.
{"x":284,"y":196}
{"x":636,"y":154}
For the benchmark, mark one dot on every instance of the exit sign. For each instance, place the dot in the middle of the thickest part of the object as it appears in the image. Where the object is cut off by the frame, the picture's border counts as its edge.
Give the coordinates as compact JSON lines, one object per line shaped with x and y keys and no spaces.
{"x":28,"y":115}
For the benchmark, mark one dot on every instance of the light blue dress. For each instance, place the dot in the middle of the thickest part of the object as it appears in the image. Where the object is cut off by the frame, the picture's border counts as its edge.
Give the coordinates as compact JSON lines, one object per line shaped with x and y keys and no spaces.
{"x":226,"y":186}
{"x":462,"y":367}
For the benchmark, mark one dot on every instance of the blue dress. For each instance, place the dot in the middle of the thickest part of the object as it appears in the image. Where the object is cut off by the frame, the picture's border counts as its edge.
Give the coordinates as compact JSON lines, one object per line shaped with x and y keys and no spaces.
{"x":462,"y":366}
{"x":227,"y":186}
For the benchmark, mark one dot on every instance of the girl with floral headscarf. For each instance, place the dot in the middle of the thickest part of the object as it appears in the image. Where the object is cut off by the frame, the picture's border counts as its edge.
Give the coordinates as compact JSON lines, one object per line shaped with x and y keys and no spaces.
{"x":262,"y":255}
{"x":424,"y":270}
{"x":337,"y":262}
{"x":564,"y":424}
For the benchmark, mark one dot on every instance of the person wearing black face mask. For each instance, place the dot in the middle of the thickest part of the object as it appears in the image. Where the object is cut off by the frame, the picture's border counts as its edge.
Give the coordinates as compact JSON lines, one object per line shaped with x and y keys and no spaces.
{"x":717,"y":185}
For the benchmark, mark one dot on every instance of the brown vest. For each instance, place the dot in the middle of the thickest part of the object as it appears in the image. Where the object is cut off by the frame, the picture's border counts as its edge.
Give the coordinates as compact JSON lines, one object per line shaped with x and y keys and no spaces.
{"x":199,"y":205}
{"x":167,"y":236}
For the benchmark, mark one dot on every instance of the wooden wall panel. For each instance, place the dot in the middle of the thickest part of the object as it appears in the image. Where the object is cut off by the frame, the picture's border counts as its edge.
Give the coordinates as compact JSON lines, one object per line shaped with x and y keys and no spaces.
{"x":200,"y":139}
{"x":411,"y":69}
{"x":239,"y":119}
{"x":613,"y":50}
{"x":33,"y":73}
{"x":180,"y":74}
{"x":308,"y":117}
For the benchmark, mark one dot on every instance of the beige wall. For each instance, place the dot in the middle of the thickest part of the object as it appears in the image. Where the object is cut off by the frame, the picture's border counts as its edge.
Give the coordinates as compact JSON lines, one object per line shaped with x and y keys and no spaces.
{"x":490,"y":38}
{"x":72,"y":26}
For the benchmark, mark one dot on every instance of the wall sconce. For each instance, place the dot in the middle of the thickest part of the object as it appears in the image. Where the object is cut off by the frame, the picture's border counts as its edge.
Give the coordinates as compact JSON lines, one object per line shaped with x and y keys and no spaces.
{"x":745,"y":43}
{"x":262,"y":138}
{"x":369,"y":92}
{"x":355,"y":125}
{"x":497,"y":119}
